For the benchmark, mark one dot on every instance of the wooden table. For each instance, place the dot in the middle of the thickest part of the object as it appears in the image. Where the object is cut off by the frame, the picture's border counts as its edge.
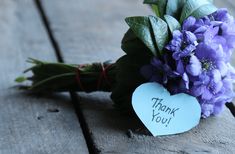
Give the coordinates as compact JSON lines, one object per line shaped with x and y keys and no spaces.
{"x":81,"y":31}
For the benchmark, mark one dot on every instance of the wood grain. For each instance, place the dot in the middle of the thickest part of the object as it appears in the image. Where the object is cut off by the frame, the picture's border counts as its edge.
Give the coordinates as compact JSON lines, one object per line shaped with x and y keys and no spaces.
{"x":91,"y":30}
{"x":31,"y":124}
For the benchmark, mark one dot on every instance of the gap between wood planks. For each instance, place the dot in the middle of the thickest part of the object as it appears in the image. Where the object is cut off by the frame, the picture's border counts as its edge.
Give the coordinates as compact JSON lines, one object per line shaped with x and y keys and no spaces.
{"x":75,"y":99}
{"x":74,"y":96}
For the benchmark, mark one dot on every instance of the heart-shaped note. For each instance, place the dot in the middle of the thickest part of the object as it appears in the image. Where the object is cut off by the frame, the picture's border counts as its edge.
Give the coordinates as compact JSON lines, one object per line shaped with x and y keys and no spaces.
{"x":165,"y":114}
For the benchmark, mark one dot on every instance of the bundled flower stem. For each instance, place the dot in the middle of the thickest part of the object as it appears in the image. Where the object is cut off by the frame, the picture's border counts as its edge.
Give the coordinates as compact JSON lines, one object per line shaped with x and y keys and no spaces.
{"x":59,"y":77}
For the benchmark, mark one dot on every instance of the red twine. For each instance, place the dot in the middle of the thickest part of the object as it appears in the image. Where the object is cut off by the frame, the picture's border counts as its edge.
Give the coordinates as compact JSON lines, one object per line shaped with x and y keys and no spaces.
{"x":103,"y":75}
{"x":78,"y":74}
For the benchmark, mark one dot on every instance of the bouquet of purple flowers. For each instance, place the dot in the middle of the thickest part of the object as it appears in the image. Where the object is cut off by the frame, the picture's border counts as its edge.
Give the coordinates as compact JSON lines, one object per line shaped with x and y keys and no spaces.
{"x":186,"y":47}
{"x":197,"y":61}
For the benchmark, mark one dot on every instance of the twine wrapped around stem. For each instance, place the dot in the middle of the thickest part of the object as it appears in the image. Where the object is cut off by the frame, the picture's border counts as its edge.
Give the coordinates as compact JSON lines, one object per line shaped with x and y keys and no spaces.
{"x":59,"y":77}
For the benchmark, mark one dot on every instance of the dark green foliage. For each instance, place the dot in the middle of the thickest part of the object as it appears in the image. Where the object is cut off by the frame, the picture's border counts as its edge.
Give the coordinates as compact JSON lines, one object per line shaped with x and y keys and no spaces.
{"x":197,"y":8}
{"x":174,"y":8}
{"x":128,"y":78}
{"x":132,"y":45}
{"x":142,"y":29}
{"x":173,"y":24}
{"x":160,"y":31}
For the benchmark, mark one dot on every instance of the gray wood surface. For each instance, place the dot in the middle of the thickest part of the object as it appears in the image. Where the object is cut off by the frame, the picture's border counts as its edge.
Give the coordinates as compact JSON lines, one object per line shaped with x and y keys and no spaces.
{"x":91,"y":30}
{"x":31,"y":124}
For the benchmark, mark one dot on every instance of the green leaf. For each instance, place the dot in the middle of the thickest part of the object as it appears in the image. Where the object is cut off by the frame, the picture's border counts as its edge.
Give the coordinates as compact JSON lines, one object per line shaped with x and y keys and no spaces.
{"x":54,"y":78}
{"x":204,"y":10}
{"x":129,"y":68}
{"x":161,"y":4}
{"x":174,"y":7}
{"x":160,"y":31}
{"x":142,"y":29}
{"x":132,"y":45}
{"x":162,"y":7}
{"x":151,"y":1}
{"x":197,"y":8}
{"x":156,"y":10}
{"x":20,"y":79}
{"x":173,"y":24}
{"x":128,"y":79}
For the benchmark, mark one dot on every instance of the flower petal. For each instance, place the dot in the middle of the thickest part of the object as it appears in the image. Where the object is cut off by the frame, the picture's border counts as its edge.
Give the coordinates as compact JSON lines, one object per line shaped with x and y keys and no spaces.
{"x":215,"y":75}
{"x":207,"y":95}
{"x":180,"y":67}
{"x":190,"y":21}
{"x":223,"y":68}
{"x":194,"y":67}
{"x":186,"y":80}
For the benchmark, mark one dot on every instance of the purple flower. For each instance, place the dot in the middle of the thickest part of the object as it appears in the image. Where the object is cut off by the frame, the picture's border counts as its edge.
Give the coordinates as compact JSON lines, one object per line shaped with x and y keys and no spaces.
{"x":211,"y":58}
{"x":158,"y":71}
{"x":194,"y":66}
{"x":207,"y":85}
{"x":199,"y":64}
{"x":217,"y":28}
{"x":182,"y":44}
{"x":216,"y":104}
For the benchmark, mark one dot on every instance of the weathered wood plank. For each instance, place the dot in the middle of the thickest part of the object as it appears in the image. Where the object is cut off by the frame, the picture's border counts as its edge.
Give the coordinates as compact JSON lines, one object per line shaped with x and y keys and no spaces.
{"x":91,"y":30}
{"x":89,"y":27}
{"x":30,"y":124}
{"x":110,"y":132}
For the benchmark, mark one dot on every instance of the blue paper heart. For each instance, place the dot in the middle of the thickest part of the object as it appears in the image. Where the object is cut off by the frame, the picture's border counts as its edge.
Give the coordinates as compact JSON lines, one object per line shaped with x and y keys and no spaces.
{"x":162,"y":113}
